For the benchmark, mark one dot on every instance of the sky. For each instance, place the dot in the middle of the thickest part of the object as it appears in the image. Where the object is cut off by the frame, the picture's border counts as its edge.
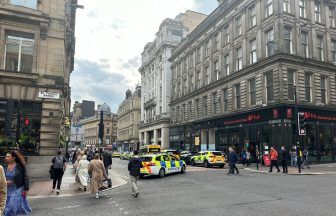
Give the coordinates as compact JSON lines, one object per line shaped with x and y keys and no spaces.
{"x":110,"y":37}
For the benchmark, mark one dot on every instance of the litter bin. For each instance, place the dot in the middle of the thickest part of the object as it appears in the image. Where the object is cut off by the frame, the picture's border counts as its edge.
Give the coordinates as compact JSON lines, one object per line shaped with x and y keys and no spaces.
{"x":267,"y":160}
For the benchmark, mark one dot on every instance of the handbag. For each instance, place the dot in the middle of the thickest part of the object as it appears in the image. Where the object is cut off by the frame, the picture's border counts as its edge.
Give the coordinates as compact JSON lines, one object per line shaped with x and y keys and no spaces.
{"x":51,"y":172}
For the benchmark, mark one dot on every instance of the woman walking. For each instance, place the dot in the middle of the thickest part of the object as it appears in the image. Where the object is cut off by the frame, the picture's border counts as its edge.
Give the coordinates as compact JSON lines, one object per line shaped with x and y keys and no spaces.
{"x":98,"y":174}
{"x":17,"y":185}
{"x":82,"y":173}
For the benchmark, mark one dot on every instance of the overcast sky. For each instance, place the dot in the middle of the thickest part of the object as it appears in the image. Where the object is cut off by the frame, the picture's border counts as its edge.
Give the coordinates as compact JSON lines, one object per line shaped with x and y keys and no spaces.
{"x":110,"y":37}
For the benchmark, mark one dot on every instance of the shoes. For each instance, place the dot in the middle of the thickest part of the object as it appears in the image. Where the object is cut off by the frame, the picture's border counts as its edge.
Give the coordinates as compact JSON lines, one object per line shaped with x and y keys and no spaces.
{"x":278,"y":170}
{"x":136,"y":194}
{"x":270,"y":171}
{"x":97,"y":195}
{"x":84,"y":189}
{"x":57,"y":192}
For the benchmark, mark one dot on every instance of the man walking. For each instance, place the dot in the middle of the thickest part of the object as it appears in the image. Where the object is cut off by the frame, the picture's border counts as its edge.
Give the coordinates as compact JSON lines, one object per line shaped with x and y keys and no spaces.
{"x":284,"y":155}
{"x":107,"y":160}
{"x":232,"y":161}
{"x":134,"y":167}
{"x":293,"y":156}
{"x":305,"y":159}
{"x":274,"y":159}
{"x":59,"y":167}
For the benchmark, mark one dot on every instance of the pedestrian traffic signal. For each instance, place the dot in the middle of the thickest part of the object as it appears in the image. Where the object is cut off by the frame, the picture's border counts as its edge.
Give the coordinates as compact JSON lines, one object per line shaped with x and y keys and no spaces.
{"x":302,"y":123}
{"x":26,"y":126}
{"x":26,"y":122}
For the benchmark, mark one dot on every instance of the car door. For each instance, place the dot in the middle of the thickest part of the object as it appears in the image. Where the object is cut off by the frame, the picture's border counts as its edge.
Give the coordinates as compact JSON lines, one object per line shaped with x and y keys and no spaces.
{"x":197,"y":158}
{"x":166,"y":160}
{"x":175,"y":166}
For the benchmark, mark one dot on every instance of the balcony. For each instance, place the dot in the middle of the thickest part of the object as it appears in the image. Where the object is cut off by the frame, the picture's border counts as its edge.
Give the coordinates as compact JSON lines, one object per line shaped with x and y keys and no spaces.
{"x":150,"y":103}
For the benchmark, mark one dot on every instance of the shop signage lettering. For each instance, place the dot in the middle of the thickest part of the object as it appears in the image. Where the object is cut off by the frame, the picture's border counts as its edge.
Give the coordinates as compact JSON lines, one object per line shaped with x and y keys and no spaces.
{"x":49,"y":95}
{"x":249,"y":118}
{"x":309,"y":115}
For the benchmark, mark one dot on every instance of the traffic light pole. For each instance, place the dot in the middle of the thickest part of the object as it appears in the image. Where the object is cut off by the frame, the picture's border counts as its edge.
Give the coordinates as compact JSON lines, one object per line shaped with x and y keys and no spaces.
{"x":18,"y":123}
{"x":297,"y":128}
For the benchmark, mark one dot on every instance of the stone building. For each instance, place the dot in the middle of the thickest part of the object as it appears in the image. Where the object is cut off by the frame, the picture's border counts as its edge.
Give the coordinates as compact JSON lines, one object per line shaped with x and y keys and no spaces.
{"x":82,"y":110}
{"x":236,"y":75}
{"x":90,"y":127}
{"x":156,"y":77}
{"x":129,"y":120}
{"x":37,"y":46}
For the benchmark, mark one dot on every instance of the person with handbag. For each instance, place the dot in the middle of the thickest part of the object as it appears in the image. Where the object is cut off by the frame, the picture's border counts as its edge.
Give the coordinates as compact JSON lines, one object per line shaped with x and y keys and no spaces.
{"x":58,"y":168}
{"x":3,"y":190}
{"x":97,"y":174}
{"x":17,"y":184}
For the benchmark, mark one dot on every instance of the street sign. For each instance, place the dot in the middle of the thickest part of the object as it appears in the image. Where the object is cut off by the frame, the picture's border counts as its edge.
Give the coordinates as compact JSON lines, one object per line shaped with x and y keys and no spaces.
{"x":49,"y":95}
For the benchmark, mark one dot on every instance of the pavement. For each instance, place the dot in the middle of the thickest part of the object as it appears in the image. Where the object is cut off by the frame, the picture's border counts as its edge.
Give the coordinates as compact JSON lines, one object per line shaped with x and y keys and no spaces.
{"x":316,"y":169}
{"x":42,"y":188}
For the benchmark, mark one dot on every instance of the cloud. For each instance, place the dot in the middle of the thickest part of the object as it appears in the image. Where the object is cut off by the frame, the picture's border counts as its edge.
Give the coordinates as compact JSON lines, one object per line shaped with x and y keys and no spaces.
{"x":110,"y":37}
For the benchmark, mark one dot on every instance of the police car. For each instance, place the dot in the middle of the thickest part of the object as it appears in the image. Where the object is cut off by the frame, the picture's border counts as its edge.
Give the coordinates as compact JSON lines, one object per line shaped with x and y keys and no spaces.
{"x":161,"y":164}
{"x":208,"y":158}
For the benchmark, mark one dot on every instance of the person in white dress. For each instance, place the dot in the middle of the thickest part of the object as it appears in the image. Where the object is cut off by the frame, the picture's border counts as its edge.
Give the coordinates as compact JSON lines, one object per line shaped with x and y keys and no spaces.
{"x":82,"y":173}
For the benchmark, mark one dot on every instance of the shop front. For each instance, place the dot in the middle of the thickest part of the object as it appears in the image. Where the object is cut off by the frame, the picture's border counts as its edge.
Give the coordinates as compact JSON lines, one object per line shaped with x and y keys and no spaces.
{"x":261,"y":129}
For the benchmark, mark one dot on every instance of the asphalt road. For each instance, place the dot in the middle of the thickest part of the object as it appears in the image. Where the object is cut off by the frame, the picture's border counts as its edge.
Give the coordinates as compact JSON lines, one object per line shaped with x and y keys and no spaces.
{"x":203,"y":191}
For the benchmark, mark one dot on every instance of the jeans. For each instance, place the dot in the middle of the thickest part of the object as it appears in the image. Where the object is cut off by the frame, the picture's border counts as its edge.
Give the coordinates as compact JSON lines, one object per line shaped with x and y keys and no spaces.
{"x":284,"y":166}
{"x":106,"y":169}
{"x":233,"y":168}
{"x":274,"y":163}
{"x":293,"y":161}
{"x":58,"y":178}
{"x":305,"y":162}
{"x":134,"y":182}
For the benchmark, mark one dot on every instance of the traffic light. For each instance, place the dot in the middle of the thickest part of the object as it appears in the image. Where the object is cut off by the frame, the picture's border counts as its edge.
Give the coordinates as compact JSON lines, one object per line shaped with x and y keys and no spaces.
{"x":26,"y":126}
{"x":302,"y":124}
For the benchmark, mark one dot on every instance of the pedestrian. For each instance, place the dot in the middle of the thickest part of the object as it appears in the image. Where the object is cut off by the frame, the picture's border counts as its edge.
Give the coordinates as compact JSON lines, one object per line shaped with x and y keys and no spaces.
{"x":293,"y":155}
{"x":107,"y":160}
{"x":248,"y":158}
{"x":284,"y":155}
{"x":134,"y":166}
{"x":274,"y":159}
{"x":305,"y":159}
{"x":97,"y":174}
{"x":3,"y":190}
{"x":243,"y":157}
{"x":59,"y":167}
{"x":67,"y":155}
{"x":74,"y":156}
{"x":82,"y":173}
{"x":17,"y":184}
{"x":79,"y":157}
{"x":232,"y":161}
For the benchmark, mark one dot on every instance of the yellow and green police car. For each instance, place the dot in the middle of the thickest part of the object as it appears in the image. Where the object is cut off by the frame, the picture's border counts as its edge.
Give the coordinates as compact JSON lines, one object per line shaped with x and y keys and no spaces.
{"x":160,"y":165}
{"x":208,"y":159}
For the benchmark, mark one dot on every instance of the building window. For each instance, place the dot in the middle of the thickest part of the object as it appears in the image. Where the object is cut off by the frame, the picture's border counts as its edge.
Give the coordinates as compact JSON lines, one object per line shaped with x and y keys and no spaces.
{"x":207,"y":49}
{"x":239,"y":59}
{"x":270,"y":46}
{"x":191,"y":60}
{"x":184,"y":116}
{"x":214,"y":103}
{"x":216,"y":71}
{"x":324,"y":86}
{"x":286,"y":6}
{"x":308,"y":87}
{"x":333,"y":50}
{"x":302,"y":5}
{"x":207,"y":76}
{"x":191,"y":81}
{"x":198,"y":55}
{"x":291,"y":82}
{"x":238,"y":29}
{"x":205,"y":105}
{"x":19,"y":53}
{"x":320,"y":55}
{"x":227,"y":65}
{"x":226,"y":31}
{"x":304,"y":43}
{"x":332,"y":17}
{"x":25,"y":3}
{"x":198,"y":79}
{"x":252,"y":16}
{"x":237,"y":94}
{"x":269,"y":8}
{"x":318,"y":12}
{"x":288,"y":46}
{"x":253,"y":48}
{"x":185,"y":87}
{"x":190,"y":110}
{"x":269,"y":86}
{"x":216,"y":42}
{"x":225,"y":100}
{"x":197,"y":107}
{"x":252,"y":91}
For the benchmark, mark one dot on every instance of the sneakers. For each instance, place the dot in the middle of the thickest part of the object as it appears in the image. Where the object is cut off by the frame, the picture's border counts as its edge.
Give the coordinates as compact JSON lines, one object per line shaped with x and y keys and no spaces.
{"x":135,"y":194}
{"x":97,"y":195}
{"x":57,"y":192}
{"x":84,"y":189}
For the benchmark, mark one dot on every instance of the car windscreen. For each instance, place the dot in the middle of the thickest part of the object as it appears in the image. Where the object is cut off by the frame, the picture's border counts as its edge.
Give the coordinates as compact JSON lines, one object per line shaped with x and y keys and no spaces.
{"x":146,"y":159}
{"x":217,"y":153}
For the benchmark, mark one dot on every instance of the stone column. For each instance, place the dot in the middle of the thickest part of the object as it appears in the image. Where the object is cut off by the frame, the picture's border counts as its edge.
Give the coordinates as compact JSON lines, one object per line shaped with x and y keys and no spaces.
{"x":141,"y":138}
{"x":145,"y":138}
{"x":164,"y":138}
{"x":155,"y":137}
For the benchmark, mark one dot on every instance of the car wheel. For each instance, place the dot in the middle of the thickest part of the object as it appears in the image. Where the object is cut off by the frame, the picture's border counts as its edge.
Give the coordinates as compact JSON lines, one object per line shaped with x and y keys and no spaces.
{"x":183,"y":169}
{"x":162,"y":173}
{"x":206,"y":164}
{"x":192,"y":163}
{"x":221,"y":166}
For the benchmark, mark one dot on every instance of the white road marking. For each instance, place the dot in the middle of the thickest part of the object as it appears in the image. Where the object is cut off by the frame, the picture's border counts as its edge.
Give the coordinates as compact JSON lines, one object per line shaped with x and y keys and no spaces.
{"x":68,"y":207}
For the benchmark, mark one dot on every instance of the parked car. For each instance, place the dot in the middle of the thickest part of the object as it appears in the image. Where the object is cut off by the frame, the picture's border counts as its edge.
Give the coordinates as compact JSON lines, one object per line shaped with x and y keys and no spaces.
{"x":186,"y":156}
{"x":208,"y":158}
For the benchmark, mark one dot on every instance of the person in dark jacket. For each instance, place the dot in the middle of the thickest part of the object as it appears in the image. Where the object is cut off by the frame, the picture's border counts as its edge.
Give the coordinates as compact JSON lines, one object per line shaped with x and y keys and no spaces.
{"x":284,"y":156}
{"x":134,"y":166}
{"x":232,"y":161}
{"x":59,"y":167}
{"x":17,"y":184}
{"x":107,"y":160}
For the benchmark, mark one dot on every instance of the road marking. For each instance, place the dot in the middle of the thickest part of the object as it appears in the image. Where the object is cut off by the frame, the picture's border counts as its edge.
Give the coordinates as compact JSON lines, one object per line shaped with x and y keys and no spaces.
{"x":121,"y":175}
{"x":68,"y":207}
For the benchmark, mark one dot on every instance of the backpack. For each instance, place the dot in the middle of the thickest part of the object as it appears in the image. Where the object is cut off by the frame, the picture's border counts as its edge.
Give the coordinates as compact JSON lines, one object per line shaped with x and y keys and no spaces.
{"x":58,"y":163}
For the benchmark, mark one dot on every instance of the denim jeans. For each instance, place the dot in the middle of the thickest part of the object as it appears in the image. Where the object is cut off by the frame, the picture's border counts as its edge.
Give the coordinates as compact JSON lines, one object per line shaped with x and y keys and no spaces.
{"x":293,"y":161}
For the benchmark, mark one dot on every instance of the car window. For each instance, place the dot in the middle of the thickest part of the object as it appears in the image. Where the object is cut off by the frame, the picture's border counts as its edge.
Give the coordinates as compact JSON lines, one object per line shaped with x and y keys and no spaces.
{"x":198,"y":154}
{"x":217,"y":153}
{"x":203,"y":153}
{"x":158,"y":158}
{"x":172,"y":157}
{"x":166,"y":158}
{"x":146,"y":159}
